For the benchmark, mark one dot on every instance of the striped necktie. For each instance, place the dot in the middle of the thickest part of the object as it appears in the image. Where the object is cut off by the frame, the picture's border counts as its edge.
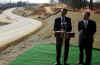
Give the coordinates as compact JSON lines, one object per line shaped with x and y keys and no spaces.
{"x":63,"y":19}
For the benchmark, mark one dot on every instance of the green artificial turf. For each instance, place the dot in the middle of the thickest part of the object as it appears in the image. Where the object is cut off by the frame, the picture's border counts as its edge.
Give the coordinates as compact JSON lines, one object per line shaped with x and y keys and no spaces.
{"x":45,"y":54}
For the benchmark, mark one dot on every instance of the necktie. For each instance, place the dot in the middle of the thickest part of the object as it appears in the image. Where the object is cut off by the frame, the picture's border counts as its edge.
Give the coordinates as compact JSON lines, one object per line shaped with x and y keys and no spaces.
{"x":63,"y":19}
{"x":62,"y":22}
{"x":86,"y":23}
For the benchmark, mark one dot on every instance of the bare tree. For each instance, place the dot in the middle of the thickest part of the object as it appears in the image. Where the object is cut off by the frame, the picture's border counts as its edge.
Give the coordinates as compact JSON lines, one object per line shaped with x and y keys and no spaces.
{"x":83,"y":3}
{"x":63,"y":1}
{"x":74,"y":3}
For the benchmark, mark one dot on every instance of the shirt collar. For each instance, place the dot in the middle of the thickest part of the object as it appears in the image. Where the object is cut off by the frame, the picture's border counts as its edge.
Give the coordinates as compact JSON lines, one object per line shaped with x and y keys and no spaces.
{"x":85,"y":21}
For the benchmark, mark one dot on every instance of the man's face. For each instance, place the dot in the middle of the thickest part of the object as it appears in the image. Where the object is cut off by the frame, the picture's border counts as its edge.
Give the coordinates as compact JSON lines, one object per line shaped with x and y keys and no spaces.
{"x":63,"y":13}
{"x":86,"y":16}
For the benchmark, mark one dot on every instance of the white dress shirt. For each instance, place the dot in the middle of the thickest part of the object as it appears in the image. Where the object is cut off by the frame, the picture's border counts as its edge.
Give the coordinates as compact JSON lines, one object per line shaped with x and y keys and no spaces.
{"x":85,"y":23}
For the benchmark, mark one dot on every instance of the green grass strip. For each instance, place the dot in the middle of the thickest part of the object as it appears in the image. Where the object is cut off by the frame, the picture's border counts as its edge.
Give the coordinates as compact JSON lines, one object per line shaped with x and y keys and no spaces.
{"x":45,"y":54}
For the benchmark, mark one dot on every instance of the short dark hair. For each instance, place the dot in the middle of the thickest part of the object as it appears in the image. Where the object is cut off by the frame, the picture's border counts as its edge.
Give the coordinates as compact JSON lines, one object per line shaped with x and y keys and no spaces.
{"x":64,"y":9}
{"x":88,"y":13}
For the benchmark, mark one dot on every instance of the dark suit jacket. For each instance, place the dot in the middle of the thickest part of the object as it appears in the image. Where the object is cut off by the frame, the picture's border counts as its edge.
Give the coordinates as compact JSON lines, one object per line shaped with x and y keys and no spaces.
{"x":67,"y":26}
{"x":86,"y":34}
{"x":57,"y":24}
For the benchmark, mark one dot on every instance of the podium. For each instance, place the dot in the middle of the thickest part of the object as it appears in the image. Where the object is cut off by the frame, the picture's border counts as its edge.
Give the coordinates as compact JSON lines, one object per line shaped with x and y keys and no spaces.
{"x":64,"y":34}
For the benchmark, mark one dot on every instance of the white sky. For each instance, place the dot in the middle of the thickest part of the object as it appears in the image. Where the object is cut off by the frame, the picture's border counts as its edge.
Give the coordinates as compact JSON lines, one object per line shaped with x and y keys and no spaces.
{"x":95,"y":0}
{"x":34,"y":1}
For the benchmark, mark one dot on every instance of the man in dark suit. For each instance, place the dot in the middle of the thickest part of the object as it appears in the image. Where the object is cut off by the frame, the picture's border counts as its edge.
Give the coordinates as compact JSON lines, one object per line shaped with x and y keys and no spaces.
{"x":62,"y":23}
{"x":87,"y":29}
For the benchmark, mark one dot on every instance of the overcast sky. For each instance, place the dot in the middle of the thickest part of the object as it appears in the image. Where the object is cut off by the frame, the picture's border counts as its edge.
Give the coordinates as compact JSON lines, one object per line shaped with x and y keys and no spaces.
{"x":95,"y":0}
{"x":34,"y":1}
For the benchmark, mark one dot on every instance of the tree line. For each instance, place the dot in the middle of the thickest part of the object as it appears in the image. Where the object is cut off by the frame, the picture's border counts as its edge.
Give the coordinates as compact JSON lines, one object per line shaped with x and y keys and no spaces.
{"x":78,"y":3}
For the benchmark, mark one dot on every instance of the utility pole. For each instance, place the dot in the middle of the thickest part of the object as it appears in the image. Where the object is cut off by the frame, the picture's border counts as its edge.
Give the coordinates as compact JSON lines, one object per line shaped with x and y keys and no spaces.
{"x":91,"y":4}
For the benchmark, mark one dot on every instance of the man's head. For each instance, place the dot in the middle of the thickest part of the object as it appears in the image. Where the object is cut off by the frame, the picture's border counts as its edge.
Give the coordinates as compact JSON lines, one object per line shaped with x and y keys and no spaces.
{"x":64,"y":12}
{"x":86,"y":15}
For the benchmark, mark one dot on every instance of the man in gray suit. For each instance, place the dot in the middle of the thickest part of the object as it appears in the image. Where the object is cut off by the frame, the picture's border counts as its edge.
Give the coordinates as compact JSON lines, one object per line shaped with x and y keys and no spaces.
{"x":87,"y":29}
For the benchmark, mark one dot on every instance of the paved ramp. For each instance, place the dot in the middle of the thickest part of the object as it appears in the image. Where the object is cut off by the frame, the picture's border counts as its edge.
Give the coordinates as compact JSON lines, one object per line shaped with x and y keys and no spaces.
{"x":19,"y":27}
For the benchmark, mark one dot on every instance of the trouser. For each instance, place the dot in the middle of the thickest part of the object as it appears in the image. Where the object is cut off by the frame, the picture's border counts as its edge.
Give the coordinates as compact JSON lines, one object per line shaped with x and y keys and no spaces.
{"x":88,"y":53}
{"x":59,"y":42}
